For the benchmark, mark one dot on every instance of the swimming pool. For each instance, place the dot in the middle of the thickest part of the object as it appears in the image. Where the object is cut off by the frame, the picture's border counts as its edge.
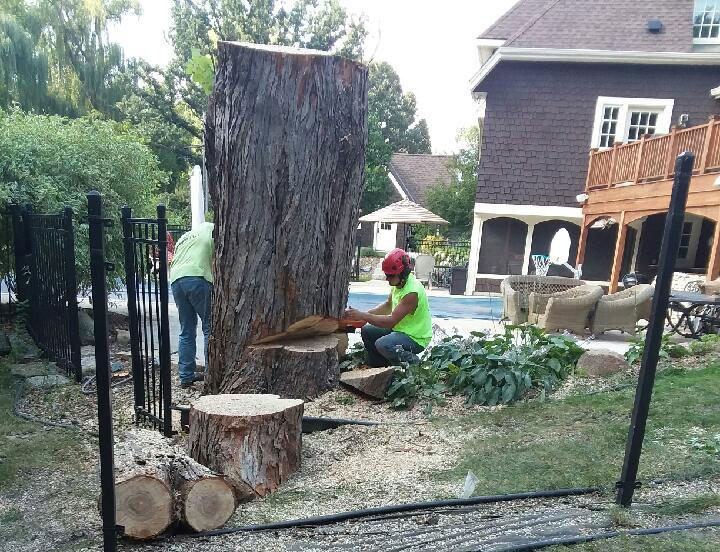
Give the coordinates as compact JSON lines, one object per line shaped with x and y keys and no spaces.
{"x":483,"y":308}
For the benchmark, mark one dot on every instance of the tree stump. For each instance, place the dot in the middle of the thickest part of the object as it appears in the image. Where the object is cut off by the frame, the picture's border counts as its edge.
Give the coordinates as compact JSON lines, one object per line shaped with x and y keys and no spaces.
{"x":285,"y":141}
{"x":204,"y":500}
{"x":254,"y":440}
{"x":144,"y":500}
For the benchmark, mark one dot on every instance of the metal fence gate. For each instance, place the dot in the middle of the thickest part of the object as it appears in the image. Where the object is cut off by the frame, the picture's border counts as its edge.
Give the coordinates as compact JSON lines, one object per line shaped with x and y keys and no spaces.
{"x":447,"y":255}
{"x":145,"y":245}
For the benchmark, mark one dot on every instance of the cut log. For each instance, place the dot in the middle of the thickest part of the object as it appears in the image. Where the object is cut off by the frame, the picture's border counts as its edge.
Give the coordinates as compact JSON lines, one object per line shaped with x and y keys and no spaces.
{"x":204,"y":500}
{"x":144,"y":501}
{"x":285,"y":141}
{"x":301,"y":368}
{"x":372,"y":382}
{"x":253,"y":440}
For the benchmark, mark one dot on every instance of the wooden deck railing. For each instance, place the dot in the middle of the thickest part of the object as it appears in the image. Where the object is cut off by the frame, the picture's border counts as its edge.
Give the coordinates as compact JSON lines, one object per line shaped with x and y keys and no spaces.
{"x":652,"y":159}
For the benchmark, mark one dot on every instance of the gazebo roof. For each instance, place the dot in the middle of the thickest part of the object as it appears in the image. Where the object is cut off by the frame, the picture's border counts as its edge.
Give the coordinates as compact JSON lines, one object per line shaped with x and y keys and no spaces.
{"x":405,"y":212}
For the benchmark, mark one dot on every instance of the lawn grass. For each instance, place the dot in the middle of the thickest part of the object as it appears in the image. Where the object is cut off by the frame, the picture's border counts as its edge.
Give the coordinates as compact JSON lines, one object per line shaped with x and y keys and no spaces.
{"x":26,"y":445}
{"x":680,"y":541}
{"x":580,"y":441}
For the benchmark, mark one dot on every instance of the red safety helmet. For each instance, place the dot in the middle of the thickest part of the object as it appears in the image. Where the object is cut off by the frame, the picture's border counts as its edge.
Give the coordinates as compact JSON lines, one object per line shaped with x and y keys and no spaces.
{"x":397,"y":262}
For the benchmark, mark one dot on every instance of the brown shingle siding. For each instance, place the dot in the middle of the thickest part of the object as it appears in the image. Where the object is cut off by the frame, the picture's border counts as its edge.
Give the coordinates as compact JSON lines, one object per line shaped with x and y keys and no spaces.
{"x":539,"y":118}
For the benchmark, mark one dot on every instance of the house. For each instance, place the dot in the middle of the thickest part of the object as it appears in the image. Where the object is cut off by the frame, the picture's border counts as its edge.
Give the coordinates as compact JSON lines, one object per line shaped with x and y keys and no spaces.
{"x":559,"y":78}
{"x":410,"y":175}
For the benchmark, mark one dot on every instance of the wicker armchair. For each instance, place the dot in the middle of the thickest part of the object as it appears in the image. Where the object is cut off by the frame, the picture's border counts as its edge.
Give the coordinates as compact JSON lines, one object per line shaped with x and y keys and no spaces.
{"x":516,"y":292}
{"x":623,"y":310}
{"x":568,"y":310}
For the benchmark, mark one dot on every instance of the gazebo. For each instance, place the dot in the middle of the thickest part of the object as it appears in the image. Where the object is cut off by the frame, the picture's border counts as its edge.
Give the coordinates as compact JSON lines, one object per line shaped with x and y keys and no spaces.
{"x":405,"y":213}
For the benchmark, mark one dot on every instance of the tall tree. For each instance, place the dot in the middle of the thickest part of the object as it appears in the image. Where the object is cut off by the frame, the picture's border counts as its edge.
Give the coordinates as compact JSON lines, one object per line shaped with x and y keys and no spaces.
{"x":56,"y":56}
{"x":392,"y":128}
{"x":454,"y":201}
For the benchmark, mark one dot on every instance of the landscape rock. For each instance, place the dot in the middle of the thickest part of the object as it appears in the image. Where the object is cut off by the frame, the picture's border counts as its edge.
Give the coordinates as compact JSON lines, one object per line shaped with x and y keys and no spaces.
{"x":47,"y":381}
{"x":602,"y":363}
{"x":87,"y":328}
{"x":88,"y":365}
{"x":32,"y":369}
{"x":123,"y":338}
{"x":23,"y":347}
{"x":373,"y":382}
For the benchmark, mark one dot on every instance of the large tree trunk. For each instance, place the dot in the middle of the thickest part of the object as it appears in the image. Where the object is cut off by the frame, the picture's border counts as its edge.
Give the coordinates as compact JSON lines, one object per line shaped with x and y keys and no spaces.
{"x":285,"y":140}
{"x":253,"y":440}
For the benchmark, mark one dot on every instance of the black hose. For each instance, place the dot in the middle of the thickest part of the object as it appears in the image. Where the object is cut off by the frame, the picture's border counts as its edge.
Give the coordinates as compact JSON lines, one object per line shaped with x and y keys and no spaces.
{"x":370,"y":512}
{"x":566,"y":541}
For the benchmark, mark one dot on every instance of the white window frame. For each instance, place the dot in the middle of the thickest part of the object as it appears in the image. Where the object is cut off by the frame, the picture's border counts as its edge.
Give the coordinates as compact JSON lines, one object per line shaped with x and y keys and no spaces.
{"x":626,"y":105}
{"x":700,"y":5}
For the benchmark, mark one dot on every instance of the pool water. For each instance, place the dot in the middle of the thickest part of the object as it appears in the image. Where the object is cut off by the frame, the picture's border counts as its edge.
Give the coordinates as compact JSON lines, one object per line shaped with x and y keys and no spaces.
{"x":483,"y":308}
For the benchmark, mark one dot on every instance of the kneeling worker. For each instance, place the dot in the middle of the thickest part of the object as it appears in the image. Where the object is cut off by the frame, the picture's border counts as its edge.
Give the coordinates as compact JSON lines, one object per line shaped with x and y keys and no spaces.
{"x":400,"y":328}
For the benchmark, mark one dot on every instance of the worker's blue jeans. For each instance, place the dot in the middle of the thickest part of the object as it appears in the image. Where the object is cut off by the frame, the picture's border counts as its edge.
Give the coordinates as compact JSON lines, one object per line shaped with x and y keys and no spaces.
{"x":388,"y":348}
{"x":192,"y":297}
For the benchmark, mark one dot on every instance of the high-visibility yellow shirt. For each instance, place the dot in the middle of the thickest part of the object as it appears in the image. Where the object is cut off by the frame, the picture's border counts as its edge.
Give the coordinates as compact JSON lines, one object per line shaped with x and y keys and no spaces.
{"x":193,"y":254}
{"x":416,"y":325}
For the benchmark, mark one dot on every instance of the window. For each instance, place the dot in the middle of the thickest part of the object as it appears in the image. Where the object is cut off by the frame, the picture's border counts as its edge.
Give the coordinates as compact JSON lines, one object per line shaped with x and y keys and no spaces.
{"x":706,"y":21}
{"x":641,"y":122}
{"x":685,"y":240}
{"x":385,"y":226}
{"x":622,"y":120}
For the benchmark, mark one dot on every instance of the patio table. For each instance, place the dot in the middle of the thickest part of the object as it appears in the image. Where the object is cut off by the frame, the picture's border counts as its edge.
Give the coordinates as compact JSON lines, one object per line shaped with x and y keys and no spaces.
{"x":691,"y":314}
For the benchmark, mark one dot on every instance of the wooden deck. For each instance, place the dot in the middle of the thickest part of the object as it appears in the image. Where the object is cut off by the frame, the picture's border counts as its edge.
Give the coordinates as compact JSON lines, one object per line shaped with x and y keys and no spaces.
{"x":630,"y":181}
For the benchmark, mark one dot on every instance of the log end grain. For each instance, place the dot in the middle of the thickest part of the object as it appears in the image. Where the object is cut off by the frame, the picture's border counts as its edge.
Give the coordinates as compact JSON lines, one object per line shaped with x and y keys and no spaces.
{"x":209,"y":504}
{"x":144,"y":506}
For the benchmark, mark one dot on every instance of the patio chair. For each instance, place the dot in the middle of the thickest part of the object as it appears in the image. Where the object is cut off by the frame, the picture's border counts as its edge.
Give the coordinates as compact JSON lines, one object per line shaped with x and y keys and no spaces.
{"x":424,"y":266}
{"x":516,"y":292}
{"x":567,"y":310}
{"x":622,"y":310}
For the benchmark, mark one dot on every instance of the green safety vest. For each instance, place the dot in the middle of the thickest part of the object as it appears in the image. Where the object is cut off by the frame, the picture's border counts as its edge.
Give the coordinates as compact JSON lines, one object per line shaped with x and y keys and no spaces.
{"x":193,"y":254}
{"x":416,"y":325}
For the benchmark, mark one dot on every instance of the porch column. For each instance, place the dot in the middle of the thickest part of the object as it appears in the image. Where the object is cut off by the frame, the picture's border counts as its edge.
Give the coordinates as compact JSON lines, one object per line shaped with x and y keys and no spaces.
{"x":580,"y":259}
{"x":528,"y":248}
{"x":475,"y":242}
{"x":713,"y":269}
{"x":619,"y":251}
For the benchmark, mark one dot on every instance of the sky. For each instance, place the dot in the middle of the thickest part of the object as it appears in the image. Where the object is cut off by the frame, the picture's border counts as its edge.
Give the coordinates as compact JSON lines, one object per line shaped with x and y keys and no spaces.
{"x":431,"y":45}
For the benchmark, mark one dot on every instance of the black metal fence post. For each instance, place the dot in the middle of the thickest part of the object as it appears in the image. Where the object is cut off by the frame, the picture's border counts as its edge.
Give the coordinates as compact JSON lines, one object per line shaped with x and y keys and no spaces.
{"x":668,"y":255}
{"x":130,"y":270}
{"x":164,"y":352}
{"x":98,"y":269}
{"x":71,"y":293}
{"x":19,"y":252}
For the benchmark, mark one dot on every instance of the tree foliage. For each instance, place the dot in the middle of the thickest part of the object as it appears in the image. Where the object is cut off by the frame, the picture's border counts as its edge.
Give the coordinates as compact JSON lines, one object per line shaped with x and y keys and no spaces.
{"x":392,"y":128}
{"x":56,"y":57}
{"x":454,"y":201}
{"x":52,"y":162}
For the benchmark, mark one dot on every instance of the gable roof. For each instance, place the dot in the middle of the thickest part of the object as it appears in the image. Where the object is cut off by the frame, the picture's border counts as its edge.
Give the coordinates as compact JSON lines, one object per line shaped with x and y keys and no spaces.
{"x":513,"y":19}
{"x":616,"y":25}
{"x":415,"y":173}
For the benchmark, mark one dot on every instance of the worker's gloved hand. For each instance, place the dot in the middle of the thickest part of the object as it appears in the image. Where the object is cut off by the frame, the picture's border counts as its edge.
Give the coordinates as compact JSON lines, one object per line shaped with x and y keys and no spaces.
{"x":353,"y":314}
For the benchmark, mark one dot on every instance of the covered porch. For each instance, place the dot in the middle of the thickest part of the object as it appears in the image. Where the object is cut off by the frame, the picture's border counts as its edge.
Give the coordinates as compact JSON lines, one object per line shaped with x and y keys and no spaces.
{"x":628,"y":190}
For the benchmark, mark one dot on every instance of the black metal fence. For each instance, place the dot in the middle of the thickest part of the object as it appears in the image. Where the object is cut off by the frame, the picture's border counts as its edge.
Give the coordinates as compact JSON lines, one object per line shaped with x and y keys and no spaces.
{"x":145,"y":244}
{"x":448,"y":254}
{"x":8,"y":291}
{"x":98,"y":271}
{"x":52,"y":296}
{"x":37,"y":268}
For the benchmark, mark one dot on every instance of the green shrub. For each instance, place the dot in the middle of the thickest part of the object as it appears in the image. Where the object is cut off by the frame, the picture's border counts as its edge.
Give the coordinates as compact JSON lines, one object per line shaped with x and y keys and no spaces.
{"x":370,"y":252}
{"x":487,"y":370}
{"x":706,"y":344}
{"x":52,"y":162}
{"x":668,"y":349}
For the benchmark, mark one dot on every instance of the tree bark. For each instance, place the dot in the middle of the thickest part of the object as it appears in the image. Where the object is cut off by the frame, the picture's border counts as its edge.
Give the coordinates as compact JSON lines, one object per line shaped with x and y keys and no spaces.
{"x":254,"y":440}
{"x":285,"y":141}
{"x":204,"y":500}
